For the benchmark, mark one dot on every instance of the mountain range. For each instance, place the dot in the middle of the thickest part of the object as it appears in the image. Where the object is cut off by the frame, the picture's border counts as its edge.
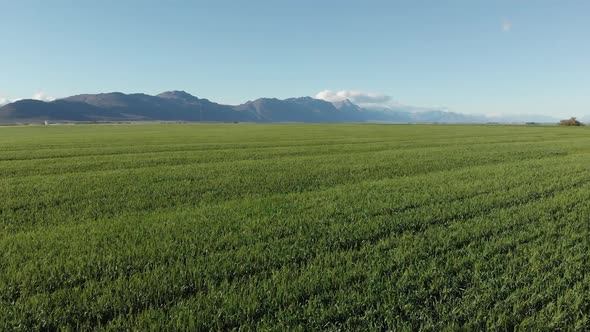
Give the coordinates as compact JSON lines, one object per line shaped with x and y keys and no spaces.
{"x":182,"y":106}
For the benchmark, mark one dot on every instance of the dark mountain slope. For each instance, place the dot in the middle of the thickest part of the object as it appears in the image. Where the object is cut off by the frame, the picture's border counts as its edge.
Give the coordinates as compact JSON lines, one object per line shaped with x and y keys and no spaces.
{"x":29,"y":110}
{"x":182,"y":106}
{"x":120,"y":107}
{"x":205,"y":109}
{"x":305,"y":109}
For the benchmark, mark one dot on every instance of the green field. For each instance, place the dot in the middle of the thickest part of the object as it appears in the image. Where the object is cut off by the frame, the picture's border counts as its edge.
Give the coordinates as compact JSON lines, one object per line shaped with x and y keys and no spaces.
{"x":294,"y":227}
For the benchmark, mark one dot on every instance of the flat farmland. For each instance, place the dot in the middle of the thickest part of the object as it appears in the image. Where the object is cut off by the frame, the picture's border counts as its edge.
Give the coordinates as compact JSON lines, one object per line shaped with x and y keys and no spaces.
{"x":294,"y":227}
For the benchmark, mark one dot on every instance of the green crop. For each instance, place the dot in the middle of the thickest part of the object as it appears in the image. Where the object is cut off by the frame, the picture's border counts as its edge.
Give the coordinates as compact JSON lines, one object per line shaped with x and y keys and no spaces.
{"x":294,"y":227}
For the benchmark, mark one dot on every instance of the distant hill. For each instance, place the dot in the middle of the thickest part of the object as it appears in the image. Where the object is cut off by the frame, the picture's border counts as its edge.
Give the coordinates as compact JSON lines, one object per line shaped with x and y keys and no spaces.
{"x":305,"y":109}
{"x":182,"y":106}
{"x":29,"y":110}
{"x":167,"y":106}
{"x":116,"y":106}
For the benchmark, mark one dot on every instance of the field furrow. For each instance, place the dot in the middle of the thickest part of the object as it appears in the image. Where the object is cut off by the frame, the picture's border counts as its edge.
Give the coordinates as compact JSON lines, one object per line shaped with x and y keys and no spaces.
{"x":294,"y":227}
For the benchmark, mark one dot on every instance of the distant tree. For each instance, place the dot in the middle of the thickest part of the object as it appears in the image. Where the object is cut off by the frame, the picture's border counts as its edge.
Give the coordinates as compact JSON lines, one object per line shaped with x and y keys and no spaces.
{"x":570,"y":122}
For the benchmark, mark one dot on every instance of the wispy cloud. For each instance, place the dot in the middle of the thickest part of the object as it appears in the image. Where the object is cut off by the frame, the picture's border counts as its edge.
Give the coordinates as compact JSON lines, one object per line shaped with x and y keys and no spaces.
{"x":357,"y":97}
{"x":371,"y":100}
{"x":506,"y":26}
{"x":42,"y":96}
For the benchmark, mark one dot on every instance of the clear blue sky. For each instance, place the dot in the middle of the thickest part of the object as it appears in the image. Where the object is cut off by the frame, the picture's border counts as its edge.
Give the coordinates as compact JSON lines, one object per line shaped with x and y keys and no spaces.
{"x":468,"y":56}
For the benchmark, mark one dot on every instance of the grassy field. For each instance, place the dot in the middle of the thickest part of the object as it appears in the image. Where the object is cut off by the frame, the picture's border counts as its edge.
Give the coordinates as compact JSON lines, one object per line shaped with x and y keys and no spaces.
{"x":294,"y":227}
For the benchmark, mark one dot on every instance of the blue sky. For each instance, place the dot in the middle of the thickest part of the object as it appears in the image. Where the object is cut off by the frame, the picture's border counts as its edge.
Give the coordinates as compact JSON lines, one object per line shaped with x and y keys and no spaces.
{"x":484,"y":57}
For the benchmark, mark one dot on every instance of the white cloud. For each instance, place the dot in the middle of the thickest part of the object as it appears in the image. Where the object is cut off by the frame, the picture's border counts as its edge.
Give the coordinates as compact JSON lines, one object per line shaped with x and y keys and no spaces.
{"x":506,"y":26}
{"x":373,"y":101}
{"x":357,"y":97}
{"x":43,"y":96}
